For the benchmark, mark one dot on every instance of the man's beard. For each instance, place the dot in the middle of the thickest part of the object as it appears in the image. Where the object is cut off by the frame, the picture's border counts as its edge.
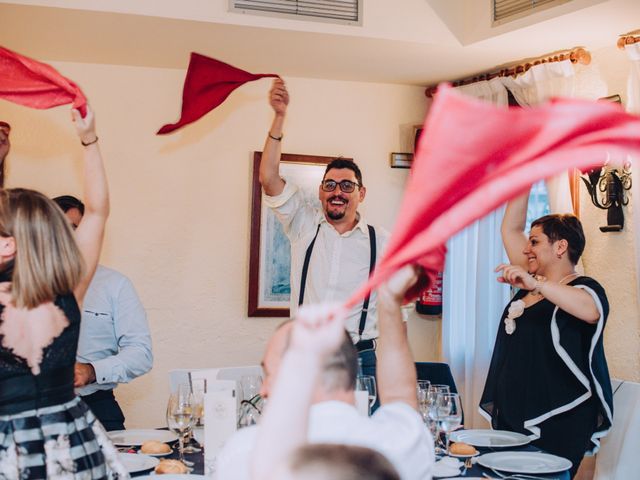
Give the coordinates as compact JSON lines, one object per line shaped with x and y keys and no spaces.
{"x":333,"y":215}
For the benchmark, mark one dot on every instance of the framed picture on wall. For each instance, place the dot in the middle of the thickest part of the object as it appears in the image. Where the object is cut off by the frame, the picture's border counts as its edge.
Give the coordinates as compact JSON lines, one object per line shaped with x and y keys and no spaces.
{"x":270,"y":250}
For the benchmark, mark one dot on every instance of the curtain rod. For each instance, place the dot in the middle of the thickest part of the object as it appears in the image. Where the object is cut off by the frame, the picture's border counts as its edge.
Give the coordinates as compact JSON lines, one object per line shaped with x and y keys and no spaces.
{"x":576,"y":55}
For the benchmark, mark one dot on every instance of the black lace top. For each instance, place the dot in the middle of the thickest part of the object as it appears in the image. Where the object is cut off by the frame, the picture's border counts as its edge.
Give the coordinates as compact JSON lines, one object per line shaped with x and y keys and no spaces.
{"x":20,"y":389}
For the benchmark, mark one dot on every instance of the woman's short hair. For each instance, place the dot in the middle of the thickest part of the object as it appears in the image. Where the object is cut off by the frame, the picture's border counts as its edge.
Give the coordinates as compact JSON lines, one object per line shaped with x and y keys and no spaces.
{"x":340,"y":462}
{"x":564,"y":227}
{"x":47,"y":261}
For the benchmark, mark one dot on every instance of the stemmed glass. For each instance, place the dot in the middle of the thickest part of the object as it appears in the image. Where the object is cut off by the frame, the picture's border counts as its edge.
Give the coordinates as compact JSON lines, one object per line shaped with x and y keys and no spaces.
{"x":449,"y":414}
{"x":198,"y":386}
{"x":422,"y":390}
{"x":180,"y":416}
{"x":433,"y":395}
{"x":368,"y":383}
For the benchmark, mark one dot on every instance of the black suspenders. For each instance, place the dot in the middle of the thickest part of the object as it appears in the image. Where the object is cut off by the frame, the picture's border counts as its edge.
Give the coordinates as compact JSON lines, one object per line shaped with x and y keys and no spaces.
{"x":372,"y":263}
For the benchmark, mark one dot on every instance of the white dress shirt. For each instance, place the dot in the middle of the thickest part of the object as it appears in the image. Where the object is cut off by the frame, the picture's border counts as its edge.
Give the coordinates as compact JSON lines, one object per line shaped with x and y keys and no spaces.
{"x":340,"y":262}
{"x":395,"y":430}
{"x":114,"y":333}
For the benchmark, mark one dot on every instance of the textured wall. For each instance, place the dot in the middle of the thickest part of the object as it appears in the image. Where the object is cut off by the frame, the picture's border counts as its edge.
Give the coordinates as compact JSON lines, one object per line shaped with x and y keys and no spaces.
{"x":180,"y":204}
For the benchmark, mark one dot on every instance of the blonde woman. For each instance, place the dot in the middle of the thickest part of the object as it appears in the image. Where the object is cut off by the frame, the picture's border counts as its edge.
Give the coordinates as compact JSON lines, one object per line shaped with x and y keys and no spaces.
{"x":45,"y":430}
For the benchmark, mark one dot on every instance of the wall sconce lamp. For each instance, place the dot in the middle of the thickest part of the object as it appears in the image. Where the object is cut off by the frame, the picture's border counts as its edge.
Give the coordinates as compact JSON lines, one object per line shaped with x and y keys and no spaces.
{"x":606,"y":187}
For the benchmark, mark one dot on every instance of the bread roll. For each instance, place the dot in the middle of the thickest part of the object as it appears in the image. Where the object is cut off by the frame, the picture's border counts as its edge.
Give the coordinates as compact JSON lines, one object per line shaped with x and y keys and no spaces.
{"x":460,"y":448}
{"x":171,"y":466}
{"x":155,"y":447}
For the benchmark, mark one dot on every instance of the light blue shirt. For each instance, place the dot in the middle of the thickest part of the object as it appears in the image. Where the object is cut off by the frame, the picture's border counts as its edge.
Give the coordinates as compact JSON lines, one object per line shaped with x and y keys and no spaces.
{"x":114,"y":332}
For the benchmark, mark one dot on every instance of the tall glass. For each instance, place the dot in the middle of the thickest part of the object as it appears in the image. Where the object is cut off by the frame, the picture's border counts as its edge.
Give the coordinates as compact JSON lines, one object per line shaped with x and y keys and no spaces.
{"x":422,"y":391}
{"x":449,"y":415}
{"x":368,"y":383}
{"x":180,"y":416}
{"x":198,"y":386}
{"x":434,"y":393}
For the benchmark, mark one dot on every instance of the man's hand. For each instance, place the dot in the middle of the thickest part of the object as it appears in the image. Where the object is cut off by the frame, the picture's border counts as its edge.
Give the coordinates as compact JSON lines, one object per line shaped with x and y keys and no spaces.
{"x":279,"y":97}
{"x":84,"y":374}
{"x":5,"y":144}
{"x":86,"y":127}
{"x":318,"y":329}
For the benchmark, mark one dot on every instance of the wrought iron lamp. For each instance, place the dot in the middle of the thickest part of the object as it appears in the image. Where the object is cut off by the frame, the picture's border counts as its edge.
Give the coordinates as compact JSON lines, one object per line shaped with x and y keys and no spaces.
{"x":607,"y":187}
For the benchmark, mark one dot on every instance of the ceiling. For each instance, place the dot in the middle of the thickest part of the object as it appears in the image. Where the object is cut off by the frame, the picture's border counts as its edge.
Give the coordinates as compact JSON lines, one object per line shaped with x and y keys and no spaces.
{"x":417,"y":42}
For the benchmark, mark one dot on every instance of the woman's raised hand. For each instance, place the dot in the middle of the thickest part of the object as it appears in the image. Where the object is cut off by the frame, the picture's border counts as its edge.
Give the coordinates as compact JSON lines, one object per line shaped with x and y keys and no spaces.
{"x":516,"y":276}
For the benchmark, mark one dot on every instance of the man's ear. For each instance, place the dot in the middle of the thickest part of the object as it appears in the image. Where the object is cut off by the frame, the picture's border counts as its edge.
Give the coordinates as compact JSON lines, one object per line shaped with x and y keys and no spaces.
{"x":7,"y":247}
{"x":363,"y":193}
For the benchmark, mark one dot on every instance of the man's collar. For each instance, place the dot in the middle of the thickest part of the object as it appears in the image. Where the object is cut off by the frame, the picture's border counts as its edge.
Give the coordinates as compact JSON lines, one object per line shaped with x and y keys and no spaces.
{"x":361,"y":225}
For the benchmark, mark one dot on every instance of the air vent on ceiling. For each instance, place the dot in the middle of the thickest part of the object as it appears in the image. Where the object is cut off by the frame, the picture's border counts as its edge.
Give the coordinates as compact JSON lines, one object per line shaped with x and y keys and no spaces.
{"x":334,"y":11}
{"x":508,"y":10}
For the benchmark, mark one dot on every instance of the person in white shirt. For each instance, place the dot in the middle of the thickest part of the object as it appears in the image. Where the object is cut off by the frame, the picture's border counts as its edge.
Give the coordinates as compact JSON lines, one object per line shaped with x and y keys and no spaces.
{"x":115,"y":343}
{"x":333,"y":250}
{"x":396,"y":429}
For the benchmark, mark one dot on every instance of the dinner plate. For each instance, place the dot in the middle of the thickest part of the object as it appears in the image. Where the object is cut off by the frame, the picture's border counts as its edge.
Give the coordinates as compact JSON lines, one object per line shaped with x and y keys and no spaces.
{"x":524,"y":462}
{"x":138,"y":437}
{"x":489,"y":438}
{"x":172,"y":476}
{"x":137,"y":462}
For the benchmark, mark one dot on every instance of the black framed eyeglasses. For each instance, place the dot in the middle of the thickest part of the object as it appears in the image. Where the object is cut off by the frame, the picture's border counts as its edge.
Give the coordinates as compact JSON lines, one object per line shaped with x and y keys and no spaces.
{"x":346,"y":186}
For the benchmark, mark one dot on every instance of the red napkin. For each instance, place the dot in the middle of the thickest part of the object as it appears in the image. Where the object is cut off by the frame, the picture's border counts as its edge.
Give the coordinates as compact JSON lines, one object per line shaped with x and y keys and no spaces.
{"x":474,"y":156}
{"x":209,"y":82}
{"x":37,"y":85}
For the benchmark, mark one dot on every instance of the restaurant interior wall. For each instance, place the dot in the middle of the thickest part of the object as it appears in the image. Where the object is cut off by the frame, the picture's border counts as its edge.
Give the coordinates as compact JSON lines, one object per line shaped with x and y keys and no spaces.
{"x":179,"y":226}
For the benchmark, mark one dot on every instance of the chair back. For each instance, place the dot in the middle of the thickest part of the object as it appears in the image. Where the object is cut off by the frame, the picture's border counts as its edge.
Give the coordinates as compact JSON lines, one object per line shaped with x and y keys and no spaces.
{"x":437,"y":373}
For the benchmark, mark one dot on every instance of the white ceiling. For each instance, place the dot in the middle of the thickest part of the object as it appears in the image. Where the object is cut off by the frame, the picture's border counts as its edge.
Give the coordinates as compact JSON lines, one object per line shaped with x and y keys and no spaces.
{"x":416,"y":42}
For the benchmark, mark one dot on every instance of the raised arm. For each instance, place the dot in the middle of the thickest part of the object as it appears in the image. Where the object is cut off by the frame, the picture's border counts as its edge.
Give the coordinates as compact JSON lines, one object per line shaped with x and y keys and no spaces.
{"x":513,"y":235}
{"x":270,"y":162}
{"x":318,"y":331}
{"x":396,"y":371}
{"x":90,"y":232}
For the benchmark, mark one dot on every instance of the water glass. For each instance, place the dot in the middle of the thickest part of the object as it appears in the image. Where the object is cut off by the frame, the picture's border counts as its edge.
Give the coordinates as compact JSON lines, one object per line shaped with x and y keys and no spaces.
{"x":449,"y":415}
{"x":250,"y":386}
{"x":368,"y":383}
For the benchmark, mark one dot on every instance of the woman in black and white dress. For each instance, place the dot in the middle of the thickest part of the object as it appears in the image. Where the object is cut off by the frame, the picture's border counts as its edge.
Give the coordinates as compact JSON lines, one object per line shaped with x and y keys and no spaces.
{"x":45,"y":270}
{"x":548,"y":376}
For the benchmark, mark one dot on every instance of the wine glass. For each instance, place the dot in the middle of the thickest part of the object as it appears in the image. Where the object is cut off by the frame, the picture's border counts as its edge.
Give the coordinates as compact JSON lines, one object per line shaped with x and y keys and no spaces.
{"x":368,"y":383}
{"x":422,"y":390}
{"x":198,"y":387}
{"x":433,"y":394}
{"x":180,"y":416}
{"x":449,"y":414}
{"x":250,"y":385}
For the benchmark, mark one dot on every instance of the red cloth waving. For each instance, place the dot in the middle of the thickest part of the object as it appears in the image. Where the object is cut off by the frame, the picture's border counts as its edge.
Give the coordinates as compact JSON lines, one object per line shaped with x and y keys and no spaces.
{"x":37,"y":85}
{"x":474,"y":156}
{"x":209,"y":82}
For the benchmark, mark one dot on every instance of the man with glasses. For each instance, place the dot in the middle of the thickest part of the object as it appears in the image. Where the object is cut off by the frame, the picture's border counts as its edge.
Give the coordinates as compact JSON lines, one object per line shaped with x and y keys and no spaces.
{"x":333,"y":250}
{"x":5,"y":146}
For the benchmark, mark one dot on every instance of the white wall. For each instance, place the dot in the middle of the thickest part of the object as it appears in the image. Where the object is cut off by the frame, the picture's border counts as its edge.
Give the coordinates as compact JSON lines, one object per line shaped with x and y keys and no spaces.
{"x":181,"y":203}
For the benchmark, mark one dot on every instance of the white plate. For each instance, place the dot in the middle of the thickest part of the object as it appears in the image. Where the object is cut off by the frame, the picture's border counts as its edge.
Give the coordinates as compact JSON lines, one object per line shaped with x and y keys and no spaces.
{"x":177,"y":476}
{"x":137,"y":462}
{"x":524,"y":462}
{"x":489,"y":438}
{"x":125,"y":438}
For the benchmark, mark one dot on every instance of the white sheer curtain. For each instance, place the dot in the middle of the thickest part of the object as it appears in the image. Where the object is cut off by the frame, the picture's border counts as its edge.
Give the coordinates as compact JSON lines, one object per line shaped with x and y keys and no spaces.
{"x":633,"y":106}
{"x":472,"y":298}
{"x":556,"y":79}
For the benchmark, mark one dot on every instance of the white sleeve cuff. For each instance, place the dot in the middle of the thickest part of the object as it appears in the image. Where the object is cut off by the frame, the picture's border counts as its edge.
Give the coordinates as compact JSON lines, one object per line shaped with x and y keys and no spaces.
{"x":276,"y":201}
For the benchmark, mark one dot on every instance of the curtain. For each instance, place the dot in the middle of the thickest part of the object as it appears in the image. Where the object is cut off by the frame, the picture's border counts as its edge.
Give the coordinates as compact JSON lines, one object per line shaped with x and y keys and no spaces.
{"x":472,"y":298}
{"x":556,"y":79}
{"x":633,"y":106}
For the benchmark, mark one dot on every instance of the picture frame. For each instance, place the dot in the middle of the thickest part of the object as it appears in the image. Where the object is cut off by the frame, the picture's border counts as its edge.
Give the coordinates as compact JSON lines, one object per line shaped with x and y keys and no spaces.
{"x":270,"y":250}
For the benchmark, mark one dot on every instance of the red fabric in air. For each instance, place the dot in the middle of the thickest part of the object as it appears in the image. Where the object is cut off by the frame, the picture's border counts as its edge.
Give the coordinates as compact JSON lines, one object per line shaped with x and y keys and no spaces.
{"x":208,"y":83}
{"x":474,"y":156}
{"x":37,"y":85}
